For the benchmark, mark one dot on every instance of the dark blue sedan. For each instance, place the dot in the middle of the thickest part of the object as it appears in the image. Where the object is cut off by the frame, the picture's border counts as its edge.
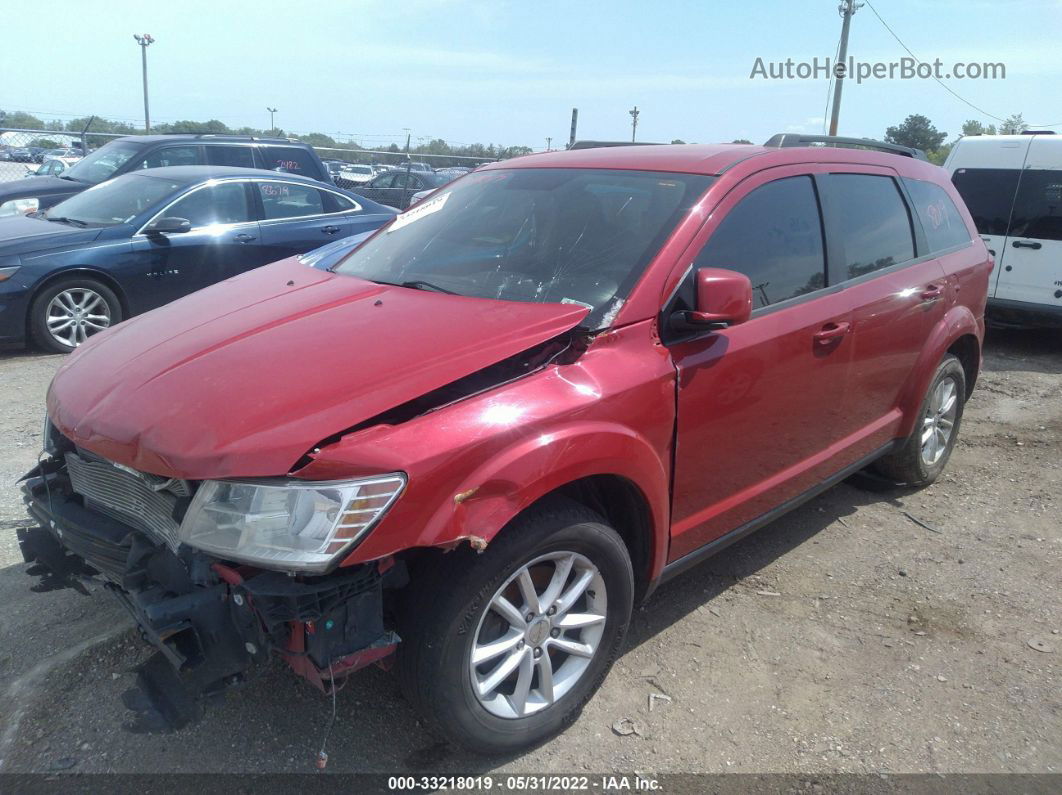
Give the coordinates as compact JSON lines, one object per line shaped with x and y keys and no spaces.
{"x":141,"y":240}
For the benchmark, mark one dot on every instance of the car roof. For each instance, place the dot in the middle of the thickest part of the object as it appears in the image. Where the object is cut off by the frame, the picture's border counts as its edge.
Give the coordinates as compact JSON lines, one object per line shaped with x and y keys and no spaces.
{"x":209,"y":138}
{"x":711,"y":159}
{"x":194,"y":173}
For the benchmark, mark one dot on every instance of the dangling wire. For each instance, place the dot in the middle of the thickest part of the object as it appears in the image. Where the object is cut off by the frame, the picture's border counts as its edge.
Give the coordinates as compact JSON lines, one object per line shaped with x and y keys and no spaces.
{"x":322,"y":755}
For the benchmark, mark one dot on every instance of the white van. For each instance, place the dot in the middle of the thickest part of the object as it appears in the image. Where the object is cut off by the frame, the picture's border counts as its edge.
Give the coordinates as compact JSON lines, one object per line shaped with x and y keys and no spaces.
{"x":1013,"y":187}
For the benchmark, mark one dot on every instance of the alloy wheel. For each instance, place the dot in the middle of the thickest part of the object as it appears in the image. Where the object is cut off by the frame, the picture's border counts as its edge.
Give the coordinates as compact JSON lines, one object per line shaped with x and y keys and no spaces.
{"x":538,"y":635}
{"x":939,"y":421}
{"x":76,"y":314}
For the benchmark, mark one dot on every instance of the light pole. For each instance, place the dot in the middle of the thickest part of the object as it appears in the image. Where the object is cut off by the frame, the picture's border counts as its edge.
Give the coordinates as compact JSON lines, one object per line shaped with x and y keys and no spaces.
{"x":272,"y":127}
{"x":549,"y":142}
{"x":634,"y":121}
{"x":145,"y":40}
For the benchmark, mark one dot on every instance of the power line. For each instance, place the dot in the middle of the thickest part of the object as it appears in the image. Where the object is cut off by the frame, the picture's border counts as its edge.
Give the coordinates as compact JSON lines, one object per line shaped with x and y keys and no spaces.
{"x":937,"y":79}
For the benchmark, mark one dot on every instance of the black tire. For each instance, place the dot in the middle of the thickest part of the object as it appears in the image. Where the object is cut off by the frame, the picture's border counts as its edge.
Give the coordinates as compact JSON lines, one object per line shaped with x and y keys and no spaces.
{"x":906,"y":465}
{"x":447,"y":600}
{"x":38,"y":319}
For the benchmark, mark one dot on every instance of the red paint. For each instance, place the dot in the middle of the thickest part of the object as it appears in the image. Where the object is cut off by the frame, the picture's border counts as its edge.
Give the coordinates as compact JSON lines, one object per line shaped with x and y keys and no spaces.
{"x":242,"y":379}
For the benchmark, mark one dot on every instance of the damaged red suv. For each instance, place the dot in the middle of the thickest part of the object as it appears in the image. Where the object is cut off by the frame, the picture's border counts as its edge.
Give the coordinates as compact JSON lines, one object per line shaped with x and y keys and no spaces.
{"x":491,"y":429}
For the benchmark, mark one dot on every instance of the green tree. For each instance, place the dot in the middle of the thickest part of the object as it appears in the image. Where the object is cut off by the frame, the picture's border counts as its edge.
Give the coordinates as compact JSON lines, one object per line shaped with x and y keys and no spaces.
{"x":741,"y":141}
{"x":974,"y":127}
{"x":318,"y":139}
{"x":1013,"y":125}
{"x":916,"y":131}
{"x":21,"y":120}
{"x":678,"y":141}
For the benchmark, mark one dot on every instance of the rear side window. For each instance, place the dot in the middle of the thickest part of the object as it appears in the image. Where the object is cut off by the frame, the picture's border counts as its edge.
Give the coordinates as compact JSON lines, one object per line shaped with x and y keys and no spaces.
{"x":172,"y":156}
{"x":221,"y":203}
{"x":940,"y":217}
{"x":989,"y":196}
{"x":773,"y":236}
{"x":240,"y":156}
{"x":289,"y":200}
{"x":290,"y":159}
{"x":871,"y":218}
{"x":1038,"y":207}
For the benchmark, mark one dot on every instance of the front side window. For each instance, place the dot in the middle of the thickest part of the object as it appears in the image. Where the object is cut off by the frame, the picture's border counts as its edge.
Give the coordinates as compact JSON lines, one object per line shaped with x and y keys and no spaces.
{"x":220,"y":203}
{"x":117,"y":201}
{"x":989,"y":196}
{"x":1038,"y":207}
{"x":97,"y":166}
{"x":871,"y":217}
{"x":773,"y":236}
{"x":539,"y":235}
{"x":172,"y":156}
{"x":289,"y":200}
{"x":940,"y":217}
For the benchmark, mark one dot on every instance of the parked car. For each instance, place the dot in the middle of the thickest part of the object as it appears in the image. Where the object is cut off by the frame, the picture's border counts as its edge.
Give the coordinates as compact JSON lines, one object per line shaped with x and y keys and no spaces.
{"x":394,"y":188}
{"x":135,"y":152}
{"x":144,"y":239}
{"x":415,"y":165}
{"x":352,"y":174}
{"x":21,"y":154}
{"x":1012,"y":185}
{"x":487,"y":432}
{"x":51,"y":167}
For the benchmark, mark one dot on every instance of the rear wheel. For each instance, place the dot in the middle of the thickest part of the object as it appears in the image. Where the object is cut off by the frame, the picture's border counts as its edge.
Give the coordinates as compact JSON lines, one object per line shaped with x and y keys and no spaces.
{"x":500,"y":651}
{"x":926,"y":451}
{"x":68,"y":312}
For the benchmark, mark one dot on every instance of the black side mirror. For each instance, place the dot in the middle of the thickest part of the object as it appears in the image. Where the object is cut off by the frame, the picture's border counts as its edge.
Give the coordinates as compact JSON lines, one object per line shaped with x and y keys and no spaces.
{"x":170,"y":225}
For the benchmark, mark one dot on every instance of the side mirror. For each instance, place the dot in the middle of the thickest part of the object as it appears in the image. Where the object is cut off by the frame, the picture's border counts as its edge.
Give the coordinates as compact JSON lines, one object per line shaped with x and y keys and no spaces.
{"x":170,"y":225}
{"x":724,"y":298}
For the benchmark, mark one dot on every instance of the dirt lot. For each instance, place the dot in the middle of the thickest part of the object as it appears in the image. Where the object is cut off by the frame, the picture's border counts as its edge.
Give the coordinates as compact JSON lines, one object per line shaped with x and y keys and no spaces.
{"x":867,"y":631}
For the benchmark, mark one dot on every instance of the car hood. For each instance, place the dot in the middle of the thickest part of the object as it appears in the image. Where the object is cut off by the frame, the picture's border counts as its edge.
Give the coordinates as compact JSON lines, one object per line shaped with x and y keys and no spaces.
{"x":244,"y":378}
{"x":39,"y":186}
{"x":20,"y":234}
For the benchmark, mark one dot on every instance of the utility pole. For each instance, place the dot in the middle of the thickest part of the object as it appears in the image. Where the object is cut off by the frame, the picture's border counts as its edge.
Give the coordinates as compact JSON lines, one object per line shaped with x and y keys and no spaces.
{"x":272,"y":127}
{"x":549,"y":141}
{"x":145,"y":40}
{"x":634,"y":122}
{"x":575,"y":121}
{"x":845,"y":9}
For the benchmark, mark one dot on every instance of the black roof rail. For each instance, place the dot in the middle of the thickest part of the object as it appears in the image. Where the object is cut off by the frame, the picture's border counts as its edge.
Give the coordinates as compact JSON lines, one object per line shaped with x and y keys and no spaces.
{"x":231,"y":136}
{"x":796,"y":139}
{"x":599,"y":144}
{"x":1038,"y":132}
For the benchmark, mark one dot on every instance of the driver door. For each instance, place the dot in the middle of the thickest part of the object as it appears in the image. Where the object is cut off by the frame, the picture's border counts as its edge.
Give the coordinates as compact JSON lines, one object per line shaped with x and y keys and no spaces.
{"x":223,"y":239}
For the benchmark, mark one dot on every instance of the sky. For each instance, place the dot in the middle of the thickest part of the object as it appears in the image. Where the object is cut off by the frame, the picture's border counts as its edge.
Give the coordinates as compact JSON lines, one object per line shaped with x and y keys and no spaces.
{"x":511,"y":72}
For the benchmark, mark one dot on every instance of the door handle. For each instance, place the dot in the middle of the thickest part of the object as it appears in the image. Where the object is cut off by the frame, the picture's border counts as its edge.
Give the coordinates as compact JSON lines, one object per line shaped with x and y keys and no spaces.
{"x":932,"y":292}
{"x":831,"y":332}
{"x":243,"y":237}
{"x":329,"y":230}
{"x":1027,"y":244}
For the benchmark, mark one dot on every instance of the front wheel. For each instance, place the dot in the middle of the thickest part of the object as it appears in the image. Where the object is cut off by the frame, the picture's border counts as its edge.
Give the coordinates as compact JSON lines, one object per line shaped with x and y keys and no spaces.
{"x":500,"y":651}
{"x":71,"y":310}
{"x":924,"y":454}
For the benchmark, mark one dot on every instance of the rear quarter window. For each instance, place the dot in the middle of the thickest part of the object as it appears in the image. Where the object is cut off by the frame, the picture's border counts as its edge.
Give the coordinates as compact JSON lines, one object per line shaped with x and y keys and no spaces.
{"x":941,"y":220}
{"x":989,"y":196}
{"x":292,"y":160}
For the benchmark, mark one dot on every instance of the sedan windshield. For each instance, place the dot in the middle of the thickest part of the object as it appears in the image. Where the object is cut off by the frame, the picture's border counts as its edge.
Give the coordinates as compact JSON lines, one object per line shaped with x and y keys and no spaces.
{"x":116,"y":202}
{"x":101,"y":164}
{"x":579,"y":236}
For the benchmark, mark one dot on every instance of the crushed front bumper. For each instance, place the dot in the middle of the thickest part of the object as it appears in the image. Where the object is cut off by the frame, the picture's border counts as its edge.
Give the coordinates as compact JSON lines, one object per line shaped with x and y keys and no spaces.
{"x":213,"y":624}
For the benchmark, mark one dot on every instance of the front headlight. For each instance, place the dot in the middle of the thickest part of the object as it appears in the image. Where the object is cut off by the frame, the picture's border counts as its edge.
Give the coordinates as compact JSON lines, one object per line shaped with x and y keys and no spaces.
{"x":19,"y":206}
{"x":287,"y":524}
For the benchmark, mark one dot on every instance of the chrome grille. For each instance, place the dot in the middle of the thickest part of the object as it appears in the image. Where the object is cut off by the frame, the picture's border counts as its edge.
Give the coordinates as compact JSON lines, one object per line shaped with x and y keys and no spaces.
{"x":125,"y":497}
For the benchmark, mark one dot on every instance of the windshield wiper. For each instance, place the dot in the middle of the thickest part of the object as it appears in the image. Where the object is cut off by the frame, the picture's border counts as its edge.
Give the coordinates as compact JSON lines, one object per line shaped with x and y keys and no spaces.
{"x":418,"y":284}
{"x":65,"y":220}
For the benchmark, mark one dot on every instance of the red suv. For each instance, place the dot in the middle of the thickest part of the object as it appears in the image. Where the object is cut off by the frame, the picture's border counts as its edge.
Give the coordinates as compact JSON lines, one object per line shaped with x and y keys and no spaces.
{"x":491,"y":429}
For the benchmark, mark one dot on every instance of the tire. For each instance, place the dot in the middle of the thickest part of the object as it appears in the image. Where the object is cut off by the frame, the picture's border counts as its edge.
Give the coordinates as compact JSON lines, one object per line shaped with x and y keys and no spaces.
{"x":449,"y":612}
{"x":909,"y":465}
{"x":99,"y":307}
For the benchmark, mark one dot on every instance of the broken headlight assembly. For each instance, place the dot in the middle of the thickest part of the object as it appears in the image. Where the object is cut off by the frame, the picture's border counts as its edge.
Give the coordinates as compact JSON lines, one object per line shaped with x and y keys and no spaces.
{"x":287,"y":524}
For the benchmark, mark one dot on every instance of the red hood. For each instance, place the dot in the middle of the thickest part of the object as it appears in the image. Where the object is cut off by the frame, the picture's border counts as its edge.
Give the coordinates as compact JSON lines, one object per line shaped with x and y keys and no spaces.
{"x":243,"y":378}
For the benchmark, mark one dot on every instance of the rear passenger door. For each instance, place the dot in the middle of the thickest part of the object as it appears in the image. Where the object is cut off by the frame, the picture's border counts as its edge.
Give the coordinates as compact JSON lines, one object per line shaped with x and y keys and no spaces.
{"x":297,"y":217}
{"x":897,"y":291}
{"x":760,"y":404}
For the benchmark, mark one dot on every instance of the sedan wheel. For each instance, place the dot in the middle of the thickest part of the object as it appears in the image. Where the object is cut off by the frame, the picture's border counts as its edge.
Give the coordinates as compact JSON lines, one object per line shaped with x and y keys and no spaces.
{"x":75,"y":314}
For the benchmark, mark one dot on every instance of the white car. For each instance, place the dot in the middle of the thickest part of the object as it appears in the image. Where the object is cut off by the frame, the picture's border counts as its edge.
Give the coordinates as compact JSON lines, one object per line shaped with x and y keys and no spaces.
{"x":1012,"y":185}
{"x":54,"y":165}
{"x":356,"y":174}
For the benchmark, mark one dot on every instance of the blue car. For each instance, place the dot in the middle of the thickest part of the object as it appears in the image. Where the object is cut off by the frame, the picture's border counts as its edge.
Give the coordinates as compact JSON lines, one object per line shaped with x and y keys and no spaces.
{"x":142,"y":240}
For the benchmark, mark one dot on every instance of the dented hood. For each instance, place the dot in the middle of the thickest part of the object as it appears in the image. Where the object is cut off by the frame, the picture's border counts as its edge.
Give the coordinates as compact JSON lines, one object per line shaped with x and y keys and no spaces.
{"x":245,"y":377}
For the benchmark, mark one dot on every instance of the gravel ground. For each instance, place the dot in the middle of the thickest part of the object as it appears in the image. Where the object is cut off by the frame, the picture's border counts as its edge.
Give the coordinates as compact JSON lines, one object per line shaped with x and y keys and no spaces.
{"x":868,"y":631}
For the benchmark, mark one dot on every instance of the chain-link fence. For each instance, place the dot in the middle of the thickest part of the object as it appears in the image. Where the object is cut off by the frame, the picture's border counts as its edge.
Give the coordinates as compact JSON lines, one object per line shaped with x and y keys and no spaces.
{"x":386,"y":176}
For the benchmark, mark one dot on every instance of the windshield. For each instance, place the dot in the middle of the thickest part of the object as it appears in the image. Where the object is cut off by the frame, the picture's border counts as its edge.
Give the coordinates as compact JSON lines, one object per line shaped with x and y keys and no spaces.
{"x":101,"y":164}
{"x":116,"y":202}
{"x":541,"y":235}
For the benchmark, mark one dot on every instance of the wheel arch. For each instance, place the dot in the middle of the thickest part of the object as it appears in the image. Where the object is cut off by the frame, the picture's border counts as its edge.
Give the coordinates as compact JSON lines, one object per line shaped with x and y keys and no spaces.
{"x":967,"y":349}
{"x":75,"y":271}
